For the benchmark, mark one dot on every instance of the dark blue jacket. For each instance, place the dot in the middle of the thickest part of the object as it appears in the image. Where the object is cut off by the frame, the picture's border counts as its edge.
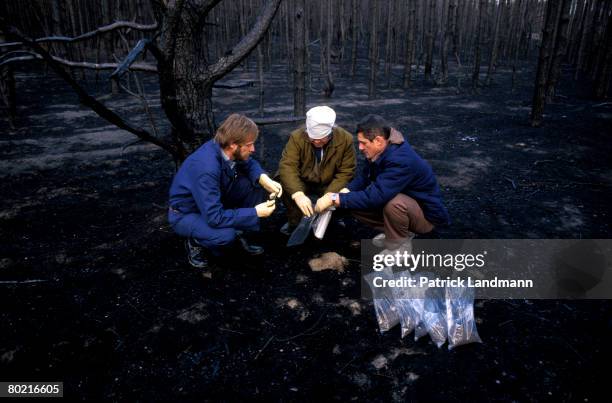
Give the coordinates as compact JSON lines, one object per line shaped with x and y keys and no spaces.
{"x":399,"y":169}
{"x":203,"y":181}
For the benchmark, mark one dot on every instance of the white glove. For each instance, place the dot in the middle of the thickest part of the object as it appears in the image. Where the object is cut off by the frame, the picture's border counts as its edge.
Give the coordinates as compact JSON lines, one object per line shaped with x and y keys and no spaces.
{"x":324,"y":203}
{"x":344,"y":190}
{"x":265,"y":209}
{"x":303,"y":202}
{"x":271,"y":186}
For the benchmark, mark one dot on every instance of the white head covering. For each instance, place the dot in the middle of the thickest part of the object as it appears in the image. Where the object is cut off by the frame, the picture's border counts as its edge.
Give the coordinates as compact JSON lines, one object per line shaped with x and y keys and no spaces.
{"x":320,"y":122}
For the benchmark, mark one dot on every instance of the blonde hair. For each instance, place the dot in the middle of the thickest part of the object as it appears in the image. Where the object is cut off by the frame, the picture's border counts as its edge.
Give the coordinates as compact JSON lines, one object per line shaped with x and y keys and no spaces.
{"x":236,"y":129}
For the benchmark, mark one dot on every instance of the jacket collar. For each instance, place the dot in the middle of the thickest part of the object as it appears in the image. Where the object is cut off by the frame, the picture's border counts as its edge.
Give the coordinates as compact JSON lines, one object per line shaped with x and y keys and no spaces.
{"x":395,"y":139}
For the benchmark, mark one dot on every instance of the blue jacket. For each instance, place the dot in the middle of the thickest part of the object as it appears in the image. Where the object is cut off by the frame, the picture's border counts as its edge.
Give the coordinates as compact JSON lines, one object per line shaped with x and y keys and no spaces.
{"x":202,"y":182}
{"x":399,"y":169}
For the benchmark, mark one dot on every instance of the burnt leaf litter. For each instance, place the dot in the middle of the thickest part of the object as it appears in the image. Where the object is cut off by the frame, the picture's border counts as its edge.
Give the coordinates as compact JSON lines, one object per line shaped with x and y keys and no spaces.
{"x":117,"y":313}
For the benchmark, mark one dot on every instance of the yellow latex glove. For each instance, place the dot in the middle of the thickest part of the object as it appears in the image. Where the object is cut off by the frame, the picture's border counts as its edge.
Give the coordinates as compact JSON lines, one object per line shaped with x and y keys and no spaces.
{"x":303,"y":202}
{"x":271,"y":186}
{"x":265,"y":209}
{"x":323,"y":203}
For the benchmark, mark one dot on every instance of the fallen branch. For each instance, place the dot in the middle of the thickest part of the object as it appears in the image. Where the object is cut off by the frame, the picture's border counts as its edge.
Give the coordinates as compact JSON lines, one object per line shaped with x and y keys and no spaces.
{"x":81,"y":65}
{"x":239,"y":85}
{"x":88,"y":35}
{"x":22,"y":281}
{"x":278,"y":120}
{"x":263,"y":348}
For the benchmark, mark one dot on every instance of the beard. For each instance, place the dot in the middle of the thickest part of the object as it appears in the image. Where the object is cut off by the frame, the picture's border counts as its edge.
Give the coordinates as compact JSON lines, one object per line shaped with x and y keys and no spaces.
{"x":238,"y":156}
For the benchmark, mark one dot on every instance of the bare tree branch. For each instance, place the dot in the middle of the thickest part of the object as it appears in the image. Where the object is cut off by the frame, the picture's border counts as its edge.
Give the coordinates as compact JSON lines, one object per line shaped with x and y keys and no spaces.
{"x":225,"y":64}
{"x":84,"y":97}
{"x":88,"y":35}
{"x":81,"y":65}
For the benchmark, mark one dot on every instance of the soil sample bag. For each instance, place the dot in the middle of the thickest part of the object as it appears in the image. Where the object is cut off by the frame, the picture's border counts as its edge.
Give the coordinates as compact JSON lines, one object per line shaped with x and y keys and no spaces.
{"x":460,"y":317}
{"x":320,"y":223}
{"x":404,"y":297}
{"x":384,"y":304}
{"x":434,"y":315}
{"x":416,"y":306}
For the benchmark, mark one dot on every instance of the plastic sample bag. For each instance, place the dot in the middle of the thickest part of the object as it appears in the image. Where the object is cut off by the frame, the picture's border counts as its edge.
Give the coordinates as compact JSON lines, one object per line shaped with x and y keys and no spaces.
{"x":404,"y":297}
{"x":320,"y":223}
{"x":434,"y":315}
{"x":460,"y":317}
{"x":384,"y":304}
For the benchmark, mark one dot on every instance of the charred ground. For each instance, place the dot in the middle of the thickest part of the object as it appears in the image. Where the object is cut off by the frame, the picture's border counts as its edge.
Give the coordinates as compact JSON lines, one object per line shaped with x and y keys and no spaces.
{"x":119,"y":314}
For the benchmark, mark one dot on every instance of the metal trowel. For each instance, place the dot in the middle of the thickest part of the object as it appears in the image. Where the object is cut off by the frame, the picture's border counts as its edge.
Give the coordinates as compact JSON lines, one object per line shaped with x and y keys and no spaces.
{"x":300,"y":233}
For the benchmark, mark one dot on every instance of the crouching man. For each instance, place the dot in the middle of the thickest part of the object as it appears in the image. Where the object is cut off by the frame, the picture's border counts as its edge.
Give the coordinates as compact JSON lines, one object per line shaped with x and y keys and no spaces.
{"x":396,"y":193}
{"x":318,"y":158}
{"x":219,"y":192}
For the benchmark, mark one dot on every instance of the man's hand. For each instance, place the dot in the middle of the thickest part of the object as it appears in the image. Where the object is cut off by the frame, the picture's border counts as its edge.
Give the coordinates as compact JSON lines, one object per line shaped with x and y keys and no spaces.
{"x":324,"y":203}
{"x":303,"y":202}
{"x":265,"y":209}
{"x":344,"y":190}
{"x":271,"y":186}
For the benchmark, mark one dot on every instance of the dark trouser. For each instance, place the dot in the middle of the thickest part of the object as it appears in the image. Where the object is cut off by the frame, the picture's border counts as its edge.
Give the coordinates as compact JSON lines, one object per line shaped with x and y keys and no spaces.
{"x":400,"y":216}
{"x":294,"y":214}
{"x":241,"y":194}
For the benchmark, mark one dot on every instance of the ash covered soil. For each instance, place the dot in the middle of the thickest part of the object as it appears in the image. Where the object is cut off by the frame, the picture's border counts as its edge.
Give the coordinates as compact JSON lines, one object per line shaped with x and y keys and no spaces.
{"x":118,"y":313}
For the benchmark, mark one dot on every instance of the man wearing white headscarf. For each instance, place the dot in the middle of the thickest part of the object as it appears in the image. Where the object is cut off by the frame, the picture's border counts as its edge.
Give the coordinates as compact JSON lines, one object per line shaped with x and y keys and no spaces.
{"x":318,"y":158}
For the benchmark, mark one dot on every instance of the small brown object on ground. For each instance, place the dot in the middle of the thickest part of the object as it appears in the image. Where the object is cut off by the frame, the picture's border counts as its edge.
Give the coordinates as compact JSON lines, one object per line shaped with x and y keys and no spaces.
{"x":328,"y":261}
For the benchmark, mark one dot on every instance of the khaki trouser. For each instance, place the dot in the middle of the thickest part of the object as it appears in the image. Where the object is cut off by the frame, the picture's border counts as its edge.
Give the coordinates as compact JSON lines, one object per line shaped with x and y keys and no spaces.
{"x":400,"y":216}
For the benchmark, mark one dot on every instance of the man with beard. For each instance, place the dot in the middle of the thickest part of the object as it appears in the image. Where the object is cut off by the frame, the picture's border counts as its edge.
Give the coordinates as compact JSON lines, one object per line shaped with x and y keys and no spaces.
{"x":397,"y":191}
{"x":220,"y":191}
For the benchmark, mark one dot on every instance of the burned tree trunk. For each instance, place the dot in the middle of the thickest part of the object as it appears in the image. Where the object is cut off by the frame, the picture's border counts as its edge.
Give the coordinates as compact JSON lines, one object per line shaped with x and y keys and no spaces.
{"x":604,"y":73}
{"x":546,"y":49}
{"x":446,"y":39}
{"x":410,"y":43}
{"x":373,"y":48}
{"x":479,"y":34}
{"x":354,"y":35}
{"x":495,"y":45}
{"x":559,"y":49}
{"x":299,"y":56}
{"x":431,"y":17}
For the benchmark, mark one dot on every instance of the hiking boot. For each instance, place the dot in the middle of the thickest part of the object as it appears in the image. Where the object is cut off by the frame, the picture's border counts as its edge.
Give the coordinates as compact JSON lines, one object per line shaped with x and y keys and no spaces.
{"x":287,"y":229}
{"x":379,"y":240}
{"x":250,"y":249}
{"x":196,"y":254}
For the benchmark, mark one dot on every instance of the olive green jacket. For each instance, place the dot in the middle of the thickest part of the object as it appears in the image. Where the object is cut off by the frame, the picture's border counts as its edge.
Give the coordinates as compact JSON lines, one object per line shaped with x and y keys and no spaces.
{"x":298,"y":167}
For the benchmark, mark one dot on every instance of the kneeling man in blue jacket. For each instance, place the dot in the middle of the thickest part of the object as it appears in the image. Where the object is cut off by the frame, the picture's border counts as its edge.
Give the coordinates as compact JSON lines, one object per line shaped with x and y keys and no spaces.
{"x":219,"y":192}
{"x":397,"y":191}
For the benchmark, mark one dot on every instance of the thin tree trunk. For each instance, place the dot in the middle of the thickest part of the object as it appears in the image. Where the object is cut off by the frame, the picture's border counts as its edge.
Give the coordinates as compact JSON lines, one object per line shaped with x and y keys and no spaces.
{"x":479,"y":29}
{"x":546,"y":48}
{"x":448,"y":32}
{"x":559,"y":49}
{"x":431,"y":16}
{"x":388,"y":42}
{"x":299,"y":54}
{"x":495,"y":45}
{"x":604,"y":74}
{"x":373,"y":48}
{"x":410,"y":45}
{"x":354,"y":35}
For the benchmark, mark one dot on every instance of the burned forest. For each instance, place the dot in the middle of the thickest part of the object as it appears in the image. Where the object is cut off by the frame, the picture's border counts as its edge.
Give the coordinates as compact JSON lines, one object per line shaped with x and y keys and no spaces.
{"x":104,"y":103}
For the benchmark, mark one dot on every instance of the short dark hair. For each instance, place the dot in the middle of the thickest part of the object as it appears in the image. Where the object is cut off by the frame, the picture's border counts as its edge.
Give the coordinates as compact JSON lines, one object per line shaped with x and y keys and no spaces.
{"x":372,"y":126}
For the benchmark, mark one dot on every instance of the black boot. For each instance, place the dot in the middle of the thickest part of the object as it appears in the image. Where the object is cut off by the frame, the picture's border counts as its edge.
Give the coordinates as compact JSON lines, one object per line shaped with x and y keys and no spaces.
{"x":250,"y":249}
{"x":196,"y":254}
